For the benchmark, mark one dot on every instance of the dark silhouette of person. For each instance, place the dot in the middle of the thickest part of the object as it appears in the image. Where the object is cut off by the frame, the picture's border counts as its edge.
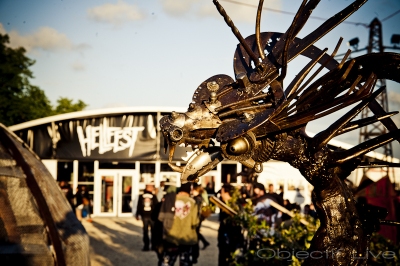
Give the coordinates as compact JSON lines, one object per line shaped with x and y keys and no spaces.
{"x":230,"y":236}
{"x":210,"y":188}
{"x":280,"y":192}
{"x":288,"y":206}
{"x":145,"y":207}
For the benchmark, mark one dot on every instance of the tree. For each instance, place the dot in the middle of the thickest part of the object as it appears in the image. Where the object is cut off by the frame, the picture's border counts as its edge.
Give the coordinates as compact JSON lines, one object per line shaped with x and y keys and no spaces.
{"x":19,"y":100}
{"x":65,"y":105}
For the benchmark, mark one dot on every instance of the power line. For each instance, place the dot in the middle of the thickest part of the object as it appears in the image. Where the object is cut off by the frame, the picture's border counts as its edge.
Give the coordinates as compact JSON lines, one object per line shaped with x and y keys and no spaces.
{"x":313,"y":17}
{"x":395,"y":13}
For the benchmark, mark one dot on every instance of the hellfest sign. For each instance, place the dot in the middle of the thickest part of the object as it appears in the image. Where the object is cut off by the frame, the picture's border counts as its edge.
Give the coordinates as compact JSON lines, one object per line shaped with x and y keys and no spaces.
{"x":107,"y":139}
{"x":122,"y":137}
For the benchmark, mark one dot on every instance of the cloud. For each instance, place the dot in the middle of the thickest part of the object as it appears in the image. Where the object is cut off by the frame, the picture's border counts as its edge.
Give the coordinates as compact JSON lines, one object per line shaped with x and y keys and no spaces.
{"x":394,"y":98}
{"x":116,"y":14}
{"x":178,"y":7}
{"x":45,"y":38}
{"x":78,"y":66}
{"x":238,"y":12}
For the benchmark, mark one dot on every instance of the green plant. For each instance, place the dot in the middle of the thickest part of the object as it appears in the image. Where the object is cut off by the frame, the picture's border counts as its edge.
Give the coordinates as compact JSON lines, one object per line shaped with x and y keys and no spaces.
{"x":287,"y":243}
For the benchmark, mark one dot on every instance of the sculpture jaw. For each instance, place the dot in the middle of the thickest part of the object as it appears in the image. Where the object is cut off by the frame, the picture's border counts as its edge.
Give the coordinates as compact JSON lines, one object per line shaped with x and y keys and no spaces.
{"x":201,"y":162}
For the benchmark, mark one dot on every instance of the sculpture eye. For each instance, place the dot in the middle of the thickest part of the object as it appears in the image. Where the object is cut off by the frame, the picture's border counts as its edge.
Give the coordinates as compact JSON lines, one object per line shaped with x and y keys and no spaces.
{"x":238,"y":146}
{"x":176,"y":134}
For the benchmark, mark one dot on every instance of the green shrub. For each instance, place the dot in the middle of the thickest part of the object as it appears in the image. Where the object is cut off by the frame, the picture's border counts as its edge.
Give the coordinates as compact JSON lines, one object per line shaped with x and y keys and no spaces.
{"x":287,"y":243}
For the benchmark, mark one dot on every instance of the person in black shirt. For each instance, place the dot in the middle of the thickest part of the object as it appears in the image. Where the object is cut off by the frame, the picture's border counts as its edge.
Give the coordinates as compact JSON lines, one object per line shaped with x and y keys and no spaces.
{"x":230,"y":235}
{"x":288,"y":206}
{"x":145,"y":207}
{"x":271,"y":191}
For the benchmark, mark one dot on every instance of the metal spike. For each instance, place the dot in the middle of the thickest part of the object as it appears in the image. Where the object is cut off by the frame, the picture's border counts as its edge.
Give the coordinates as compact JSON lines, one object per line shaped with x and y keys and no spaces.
{"x":355,"y":83}
{"x":365,"y":147}
{"x":310,"y":113}
{"x":236,"y":32}
{"x":243,"y":102}
{"x":327,"y":26}
{"x":288,"y":90}
{"x":364,"y":122}
{"x":247,"y":108}
{"x":258,"y":19}
{"x":325,"y":136}
{"x":339,"y":102}
{"x":171,"y":152}
{"x":165,"y":145}
{"x":377,"y":109}
{"x":289,"y":39}
{"x":277,"y":51}
{"x":297,"y":82}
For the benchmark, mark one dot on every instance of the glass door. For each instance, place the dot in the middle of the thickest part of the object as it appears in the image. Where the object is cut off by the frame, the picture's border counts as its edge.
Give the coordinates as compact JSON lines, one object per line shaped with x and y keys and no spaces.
{"x":127,"y":196}
{"x":116,"y":193}
{"x":105,"y":196}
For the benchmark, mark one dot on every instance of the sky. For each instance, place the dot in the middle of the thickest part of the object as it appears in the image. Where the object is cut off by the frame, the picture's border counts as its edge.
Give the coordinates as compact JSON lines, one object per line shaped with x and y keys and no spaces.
{"x":114,"y":53}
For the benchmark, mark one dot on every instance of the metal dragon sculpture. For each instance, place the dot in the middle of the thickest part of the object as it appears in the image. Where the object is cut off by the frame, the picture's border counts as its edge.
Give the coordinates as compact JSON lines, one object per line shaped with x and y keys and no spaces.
{"x":255,"y":118}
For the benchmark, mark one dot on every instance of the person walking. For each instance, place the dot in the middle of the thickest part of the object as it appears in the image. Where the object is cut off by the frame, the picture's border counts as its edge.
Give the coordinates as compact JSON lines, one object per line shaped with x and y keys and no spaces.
{"x":180,"y":217}
{"x":146,"y":204}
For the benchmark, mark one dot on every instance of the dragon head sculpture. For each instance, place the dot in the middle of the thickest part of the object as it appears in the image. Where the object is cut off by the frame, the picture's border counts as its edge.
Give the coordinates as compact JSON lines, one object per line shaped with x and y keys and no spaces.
{"x":246,"y":116}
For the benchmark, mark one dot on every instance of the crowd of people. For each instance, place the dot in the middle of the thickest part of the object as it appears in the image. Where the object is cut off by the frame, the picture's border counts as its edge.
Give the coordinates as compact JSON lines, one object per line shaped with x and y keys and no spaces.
{"x":172,"y":217}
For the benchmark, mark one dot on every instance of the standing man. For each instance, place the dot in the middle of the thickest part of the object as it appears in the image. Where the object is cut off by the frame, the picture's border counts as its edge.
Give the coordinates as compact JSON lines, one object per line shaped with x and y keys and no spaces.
{"x":145,"y":207}
{"x":230,"y":235}
{"x":272,"y":192}
{"x":180,"y":217}
{"x":280,"y":192}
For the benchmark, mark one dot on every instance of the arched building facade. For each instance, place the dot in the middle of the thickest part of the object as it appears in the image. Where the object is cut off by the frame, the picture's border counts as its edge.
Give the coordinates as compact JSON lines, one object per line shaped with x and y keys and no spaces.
{"x":115,"y":152}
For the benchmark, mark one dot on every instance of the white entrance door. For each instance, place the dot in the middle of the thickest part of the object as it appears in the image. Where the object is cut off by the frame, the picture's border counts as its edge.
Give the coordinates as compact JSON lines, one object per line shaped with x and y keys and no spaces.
{"x":116,"y":192}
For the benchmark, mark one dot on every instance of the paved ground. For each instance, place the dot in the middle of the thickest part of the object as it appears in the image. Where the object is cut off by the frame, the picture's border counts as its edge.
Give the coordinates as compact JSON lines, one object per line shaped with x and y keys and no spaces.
{"x":118,"y":242}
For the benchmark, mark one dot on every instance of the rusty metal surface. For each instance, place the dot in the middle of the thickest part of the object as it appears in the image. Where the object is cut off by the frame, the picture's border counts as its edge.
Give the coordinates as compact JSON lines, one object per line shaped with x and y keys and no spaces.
{"x":64,"y":234}
{"x":254,"y":117}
